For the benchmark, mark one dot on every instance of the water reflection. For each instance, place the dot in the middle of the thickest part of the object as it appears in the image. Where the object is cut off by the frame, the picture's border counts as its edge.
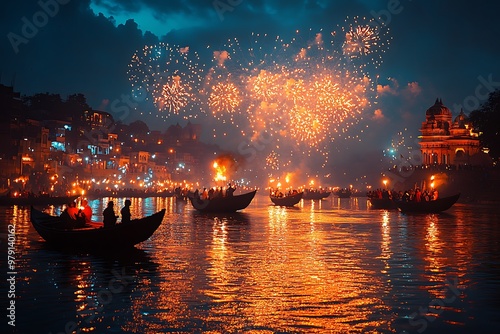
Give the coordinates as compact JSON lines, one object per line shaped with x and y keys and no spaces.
{"x":324,"y":266}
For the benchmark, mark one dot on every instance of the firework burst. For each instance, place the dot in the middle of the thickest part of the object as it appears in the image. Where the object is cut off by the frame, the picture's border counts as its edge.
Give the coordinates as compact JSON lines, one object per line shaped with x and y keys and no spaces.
{"x":170,"y":75}
{"x":366,"y":40}
{"x":224,"y":98}
{"x":304,"y":90}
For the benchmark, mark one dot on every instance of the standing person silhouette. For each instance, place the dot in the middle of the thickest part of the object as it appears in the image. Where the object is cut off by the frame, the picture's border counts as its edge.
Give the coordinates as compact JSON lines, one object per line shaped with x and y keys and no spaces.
{"x":109,"y":215}
{"x":125,"y":212}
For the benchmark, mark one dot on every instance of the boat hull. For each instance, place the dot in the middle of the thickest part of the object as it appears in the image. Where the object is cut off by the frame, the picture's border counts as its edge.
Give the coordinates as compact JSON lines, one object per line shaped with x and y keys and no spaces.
{"x":343,"y":194}
{"x":315,"y":195}
{"x":223,"y":204}
{"x":439,"y":205}
{"x":382,"y":203}
{"x":122,"y":235}
{"x":286,"y":200}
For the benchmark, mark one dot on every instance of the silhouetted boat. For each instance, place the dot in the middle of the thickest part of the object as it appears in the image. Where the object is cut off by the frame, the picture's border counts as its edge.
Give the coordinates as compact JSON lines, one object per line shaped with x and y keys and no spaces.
{"x":94,"y":236}
{"x":223,"y":204}
{"x":382,"y":203}
{"x":315,"y":194}
{"x":343,"y":193}
{"x":438,"y":205}
{"x":290,"y":200}
{"x":37,"y":200}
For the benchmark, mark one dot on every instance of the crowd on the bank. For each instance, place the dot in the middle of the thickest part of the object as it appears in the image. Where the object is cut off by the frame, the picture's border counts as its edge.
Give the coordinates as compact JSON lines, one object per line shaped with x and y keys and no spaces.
{"x":410,"y":195}
{"x":26,"y":194}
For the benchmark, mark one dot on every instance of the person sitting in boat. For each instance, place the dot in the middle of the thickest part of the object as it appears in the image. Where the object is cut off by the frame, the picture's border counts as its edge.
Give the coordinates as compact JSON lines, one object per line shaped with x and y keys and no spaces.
{"x":72,"y":210}
{"x":204,"y":194}
{"x":418,"y":195}
{"x":406,"y":197}
{"x":109,"y":217}
{"x":434,"y":195}
{"x":220,"y":193}
{"x":80,"y":219}
{"x":69,"y":215}
{"x":125,"y":212}
{"x":86,"y":211}
{"x":230,"y":190}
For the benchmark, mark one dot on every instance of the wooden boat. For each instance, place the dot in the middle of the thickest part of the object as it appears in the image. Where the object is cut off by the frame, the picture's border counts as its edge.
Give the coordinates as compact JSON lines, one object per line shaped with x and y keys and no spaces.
{"x":343,"y":193}
{"x":94,"y":236}
{"x":37,"y":200}
{"x":438,"y":205}
{"x":315,"y":194}
{"x":223,"y":204}
{"x":290,"y":200}
{"x":382,"y":203}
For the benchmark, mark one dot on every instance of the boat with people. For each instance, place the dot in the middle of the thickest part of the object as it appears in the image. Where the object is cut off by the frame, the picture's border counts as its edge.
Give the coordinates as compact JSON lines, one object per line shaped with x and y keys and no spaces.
{"x":221,"y":203}
{"x":343,"y":193}
{"x":44,"y":199}
{"x":288,"y":200}
{"x":315,"y":194}
{"x":431,"y":206}
{"x":56,"y":231}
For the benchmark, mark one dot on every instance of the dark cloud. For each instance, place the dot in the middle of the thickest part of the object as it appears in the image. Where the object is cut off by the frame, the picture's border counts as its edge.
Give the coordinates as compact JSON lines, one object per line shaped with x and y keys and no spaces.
{"x":75,"y":51}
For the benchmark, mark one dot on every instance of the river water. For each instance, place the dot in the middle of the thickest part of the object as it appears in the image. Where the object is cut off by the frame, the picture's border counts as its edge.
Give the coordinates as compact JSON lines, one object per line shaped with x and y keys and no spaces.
{"x":331,"y":266}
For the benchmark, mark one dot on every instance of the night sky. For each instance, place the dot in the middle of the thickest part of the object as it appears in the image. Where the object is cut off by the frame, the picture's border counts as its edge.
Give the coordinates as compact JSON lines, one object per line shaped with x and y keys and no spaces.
{"x":446,"y":49}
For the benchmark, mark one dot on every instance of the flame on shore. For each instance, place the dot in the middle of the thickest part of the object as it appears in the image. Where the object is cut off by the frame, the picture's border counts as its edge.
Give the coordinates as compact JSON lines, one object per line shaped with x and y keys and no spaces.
{"x":224,"y":166}
{"x":220,"y":171}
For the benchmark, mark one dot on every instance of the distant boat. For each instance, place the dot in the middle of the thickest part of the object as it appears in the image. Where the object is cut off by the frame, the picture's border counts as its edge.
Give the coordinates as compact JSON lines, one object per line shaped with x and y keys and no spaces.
{"x":343,"y":193}
{"x":434,"y":206}
{"x":382,"y":203}
{"x":315,"y":194}
{"x":53,"y":230}
{"x":290,"y":200}
{"x":37,"y":200}
{"x":223,"y":204}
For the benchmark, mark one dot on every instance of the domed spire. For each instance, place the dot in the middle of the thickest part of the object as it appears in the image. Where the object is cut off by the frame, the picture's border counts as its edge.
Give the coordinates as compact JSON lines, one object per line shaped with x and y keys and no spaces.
{"x":438,"y":109}
{"x":461,"y":120}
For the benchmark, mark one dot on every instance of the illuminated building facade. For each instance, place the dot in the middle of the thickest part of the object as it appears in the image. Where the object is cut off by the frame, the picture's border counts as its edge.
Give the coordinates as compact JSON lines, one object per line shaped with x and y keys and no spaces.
{"x":445,"y":141}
